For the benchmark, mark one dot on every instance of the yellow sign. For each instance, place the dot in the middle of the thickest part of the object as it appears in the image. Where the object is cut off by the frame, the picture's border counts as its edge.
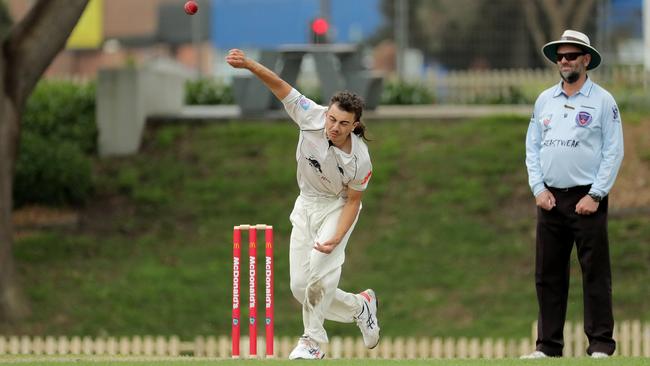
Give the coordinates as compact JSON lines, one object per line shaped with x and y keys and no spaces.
{"x":89,"y":32}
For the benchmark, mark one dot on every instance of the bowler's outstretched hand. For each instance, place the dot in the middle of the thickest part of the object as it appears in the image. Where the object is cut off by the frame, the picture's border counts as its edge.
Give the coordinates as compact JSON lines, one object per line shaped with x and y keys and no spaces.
{"x":237,"y":59}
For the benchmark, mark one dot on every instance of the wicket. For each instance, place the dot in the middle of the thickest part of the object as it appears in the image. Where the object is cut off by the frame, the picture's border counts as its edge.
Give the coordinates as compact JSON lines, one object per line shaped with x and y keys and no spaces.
{"x":252,"y":288}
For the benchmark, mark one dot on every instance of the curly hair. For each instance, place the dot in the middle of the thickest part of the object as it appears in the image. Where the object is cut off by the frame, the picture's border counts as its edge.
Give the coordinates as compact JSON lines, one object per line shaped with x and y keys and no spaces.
{"x":352,"y":103}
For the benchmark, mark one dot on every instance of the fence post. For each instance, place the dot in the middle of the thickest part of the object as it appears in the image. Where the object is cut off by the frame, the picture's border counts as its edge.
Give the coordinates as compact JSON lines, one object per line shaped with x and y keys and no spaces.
{"x":285,"y":347}
{"x":359,"y":349}
{"x":637,"y":339}
{"x":52,"y":346}
{"x":488,"y":348}
{"x":500,"y":348}
{"x":124,"y":346}
{"x":511,"y":349}
{"x":436,"y":348}
{"x":579,"y":339}
{"x":160,"y":346}
{"x":25,"y":345}
{"x":14,"y":345}
{"x":474,"y":348}
{"x":199,"y":347}
{"x":568,"y":339}
{"x":335,"y":348}
{"x":386,"y":348}
{"x":411,"y":348}
{"x":99,"y":346}
{"x":524,"y":346}
{"x":462,"y":348}
{"x":398,"y":348}
{"x":137,"y":347}
{"x":624,"y":338}
{"x":423,"y":348}
{"x":646,"y":340}
{"x":87,"y":346}
{"x":448,"y":348}
{"x":533,"y":338}
{"x":348,"y":347}
{"x":111,"y":346}
{"x":38,"y":346}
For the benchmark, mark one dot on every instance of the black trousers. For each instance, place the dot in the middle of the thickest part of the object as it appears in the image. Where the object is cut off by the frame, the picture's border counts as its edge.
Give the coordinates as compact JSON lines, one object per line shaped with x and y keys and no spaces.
{"x":557,"y":230}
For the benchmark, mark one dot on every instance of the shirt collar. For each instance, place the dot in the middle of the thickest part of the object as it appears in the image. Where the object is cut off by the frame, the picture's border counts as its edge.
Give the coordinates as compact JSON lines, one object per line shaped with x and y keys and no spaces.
{"x":585,"y":90}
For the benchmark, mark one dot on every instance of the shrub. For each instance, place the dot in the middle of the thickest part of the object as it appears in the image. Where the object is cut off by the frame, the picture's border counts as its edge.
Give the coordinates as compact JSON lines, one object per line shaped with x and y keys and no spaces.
{"x":59,"y":136}
{"x":51,"y":173}
{"x":63,"y":111}
{"x":207,"y":91}
{"x":396,"y":92}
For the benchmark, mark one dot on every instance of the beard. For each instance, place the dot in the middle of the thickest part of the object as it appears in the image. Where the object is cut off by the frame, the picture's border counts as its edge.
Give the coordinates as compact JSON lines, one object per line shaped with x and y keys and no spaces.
{"x":570,"y":77}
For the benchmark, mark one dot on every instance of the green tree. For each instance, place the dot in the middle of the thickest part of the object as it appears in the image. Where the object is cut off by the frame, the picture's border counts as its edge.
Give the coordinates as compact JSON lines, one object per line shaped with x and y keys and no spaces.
{"x":547,"y":19}
{"x":489,"y":33}
{"x":28,"y":48}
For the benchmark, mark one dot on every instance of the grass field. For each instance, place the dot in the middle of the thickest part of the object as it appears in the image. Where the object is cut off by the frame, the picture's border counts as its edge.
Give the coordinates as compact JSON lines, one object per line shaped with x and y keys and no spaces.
{"x":446,"y":236}
{"x":618,"y":361}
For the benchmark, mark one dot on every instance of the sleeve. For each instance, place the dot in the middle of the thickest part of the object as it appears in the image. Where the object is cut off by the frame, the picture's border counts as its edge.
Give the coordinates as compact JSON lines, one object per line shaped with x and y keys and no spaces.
{"x":303,"y":111}
{"x":533,"y":147}
{"x":362,"y":178}
{"x":612,"y":150}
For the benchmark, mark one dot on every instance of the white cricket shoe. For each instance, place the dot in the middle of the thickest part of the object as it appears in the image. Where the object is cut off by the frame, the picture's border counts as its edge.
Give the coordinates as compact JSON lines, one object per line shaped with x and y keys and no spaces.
{"x":599,"y":355}
{"x":307,"y":349}
{"x":534,"y":355}
{"x":367,"y":319}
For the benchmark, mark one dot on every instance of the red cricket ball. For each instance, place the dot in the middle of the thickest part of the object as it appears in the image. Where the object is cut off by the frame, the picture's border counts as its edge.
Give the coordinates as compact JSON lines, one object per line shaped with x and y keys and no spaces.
{"x":191,"y":7}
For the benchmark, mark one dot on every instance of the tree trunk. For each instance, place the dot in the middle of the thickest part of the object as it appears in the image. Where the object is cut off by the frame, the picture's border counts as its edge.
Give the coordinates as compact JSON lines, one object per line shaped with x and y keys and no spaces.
{"x":560,"y":15}
{"x":13,"y":305}
{"x":26,"y":52}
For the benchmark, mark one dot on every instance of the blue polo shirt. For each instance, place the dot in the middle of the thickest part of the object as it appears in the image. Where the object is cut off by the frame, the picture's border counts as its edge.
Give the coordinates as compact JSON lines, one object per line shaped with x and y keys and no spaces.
{"x":574,"y":140}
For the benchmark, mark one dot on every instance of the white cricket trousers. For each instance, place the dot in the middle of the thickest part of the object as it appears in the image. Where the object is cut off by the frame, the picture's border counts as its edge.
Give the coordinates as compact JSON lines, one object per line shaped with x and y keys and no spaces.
{"x":315,"y":275}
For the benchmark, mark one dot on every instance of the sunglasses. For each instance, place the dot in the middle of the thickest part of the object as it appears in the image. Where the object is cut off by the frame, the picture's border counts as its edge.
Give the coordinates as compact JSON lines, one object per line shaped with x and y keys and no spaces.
{"x":570,"y":56}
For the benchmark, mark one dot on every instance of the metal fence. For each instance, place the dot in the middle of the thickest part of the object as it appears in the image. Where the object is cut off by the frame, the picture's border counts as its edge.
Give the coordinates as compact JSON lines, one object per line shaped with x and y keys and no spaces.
{"x":519,"y":85}
{"x":633,"y":339}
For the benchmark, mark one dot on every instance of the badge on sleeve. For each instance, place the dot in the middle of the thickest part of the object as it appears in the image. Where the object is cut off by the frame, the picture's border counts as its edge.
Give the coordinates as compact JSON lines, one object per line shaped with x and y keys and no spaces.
{"x":583,"y":119}
{"x":615,"y":113}
{"x":303,"y":102}
{"x":546,"y":120}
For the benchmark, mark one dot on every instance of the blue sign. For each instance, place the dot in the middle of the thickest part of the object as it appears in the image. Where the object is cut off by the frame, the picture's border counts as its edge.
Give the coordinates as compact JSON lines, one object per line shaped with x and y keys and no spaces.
{"x":271,"y":23}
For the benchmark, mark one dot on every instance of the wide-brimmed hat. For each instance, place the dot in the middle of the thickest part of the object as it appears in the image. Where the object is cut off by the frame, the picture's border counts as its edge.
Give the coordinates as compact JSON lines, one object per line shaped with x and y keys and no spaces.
{"x":575,"y":38}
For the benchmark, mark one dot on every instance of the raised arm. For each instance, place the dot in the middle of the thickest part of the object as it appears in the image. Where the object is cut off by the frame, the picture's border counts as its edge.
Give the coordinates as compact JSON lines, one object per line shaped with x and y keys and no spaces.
{"x":280,"y":88}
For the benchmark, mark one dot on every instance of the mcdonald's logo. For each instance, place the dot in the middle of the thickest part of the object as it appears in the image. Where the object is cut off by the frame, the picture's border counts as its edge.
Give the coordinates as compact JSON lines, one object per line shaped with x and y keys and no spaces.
{"x":269,"y":245}
{"x":235,"y":245}
{"x":252,"y":244}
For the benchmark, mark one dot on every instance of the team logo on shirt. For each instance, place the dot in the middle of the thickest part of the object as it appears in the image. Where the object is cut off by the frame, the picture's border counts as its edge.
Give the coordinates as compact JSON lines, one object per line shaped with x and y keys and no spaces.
{"x":615,"y":113}
{"x":315,"y":164}
{"x":303,"y":102}
{"x":583,"y":119}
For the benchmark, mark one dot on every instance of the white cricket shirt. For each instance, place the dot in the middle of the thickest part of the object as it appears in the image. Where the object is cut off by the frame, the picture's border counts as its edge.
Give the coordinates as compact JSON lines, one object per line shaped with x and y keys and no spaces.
{"x":324,"y":170}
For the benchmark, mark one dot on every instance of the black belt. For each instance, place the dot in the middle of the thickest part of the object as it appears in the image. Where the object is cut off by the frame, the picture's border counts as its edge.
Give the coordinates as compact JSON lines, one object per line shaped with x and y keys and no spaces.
{"x":568,"y":189}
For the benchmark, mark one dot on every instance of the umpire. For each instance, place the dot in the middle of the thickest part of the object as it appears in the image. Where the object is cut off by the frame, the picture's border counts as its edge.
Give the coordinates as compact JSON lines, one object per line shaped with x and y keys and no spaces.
{"x":574,"y":148}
